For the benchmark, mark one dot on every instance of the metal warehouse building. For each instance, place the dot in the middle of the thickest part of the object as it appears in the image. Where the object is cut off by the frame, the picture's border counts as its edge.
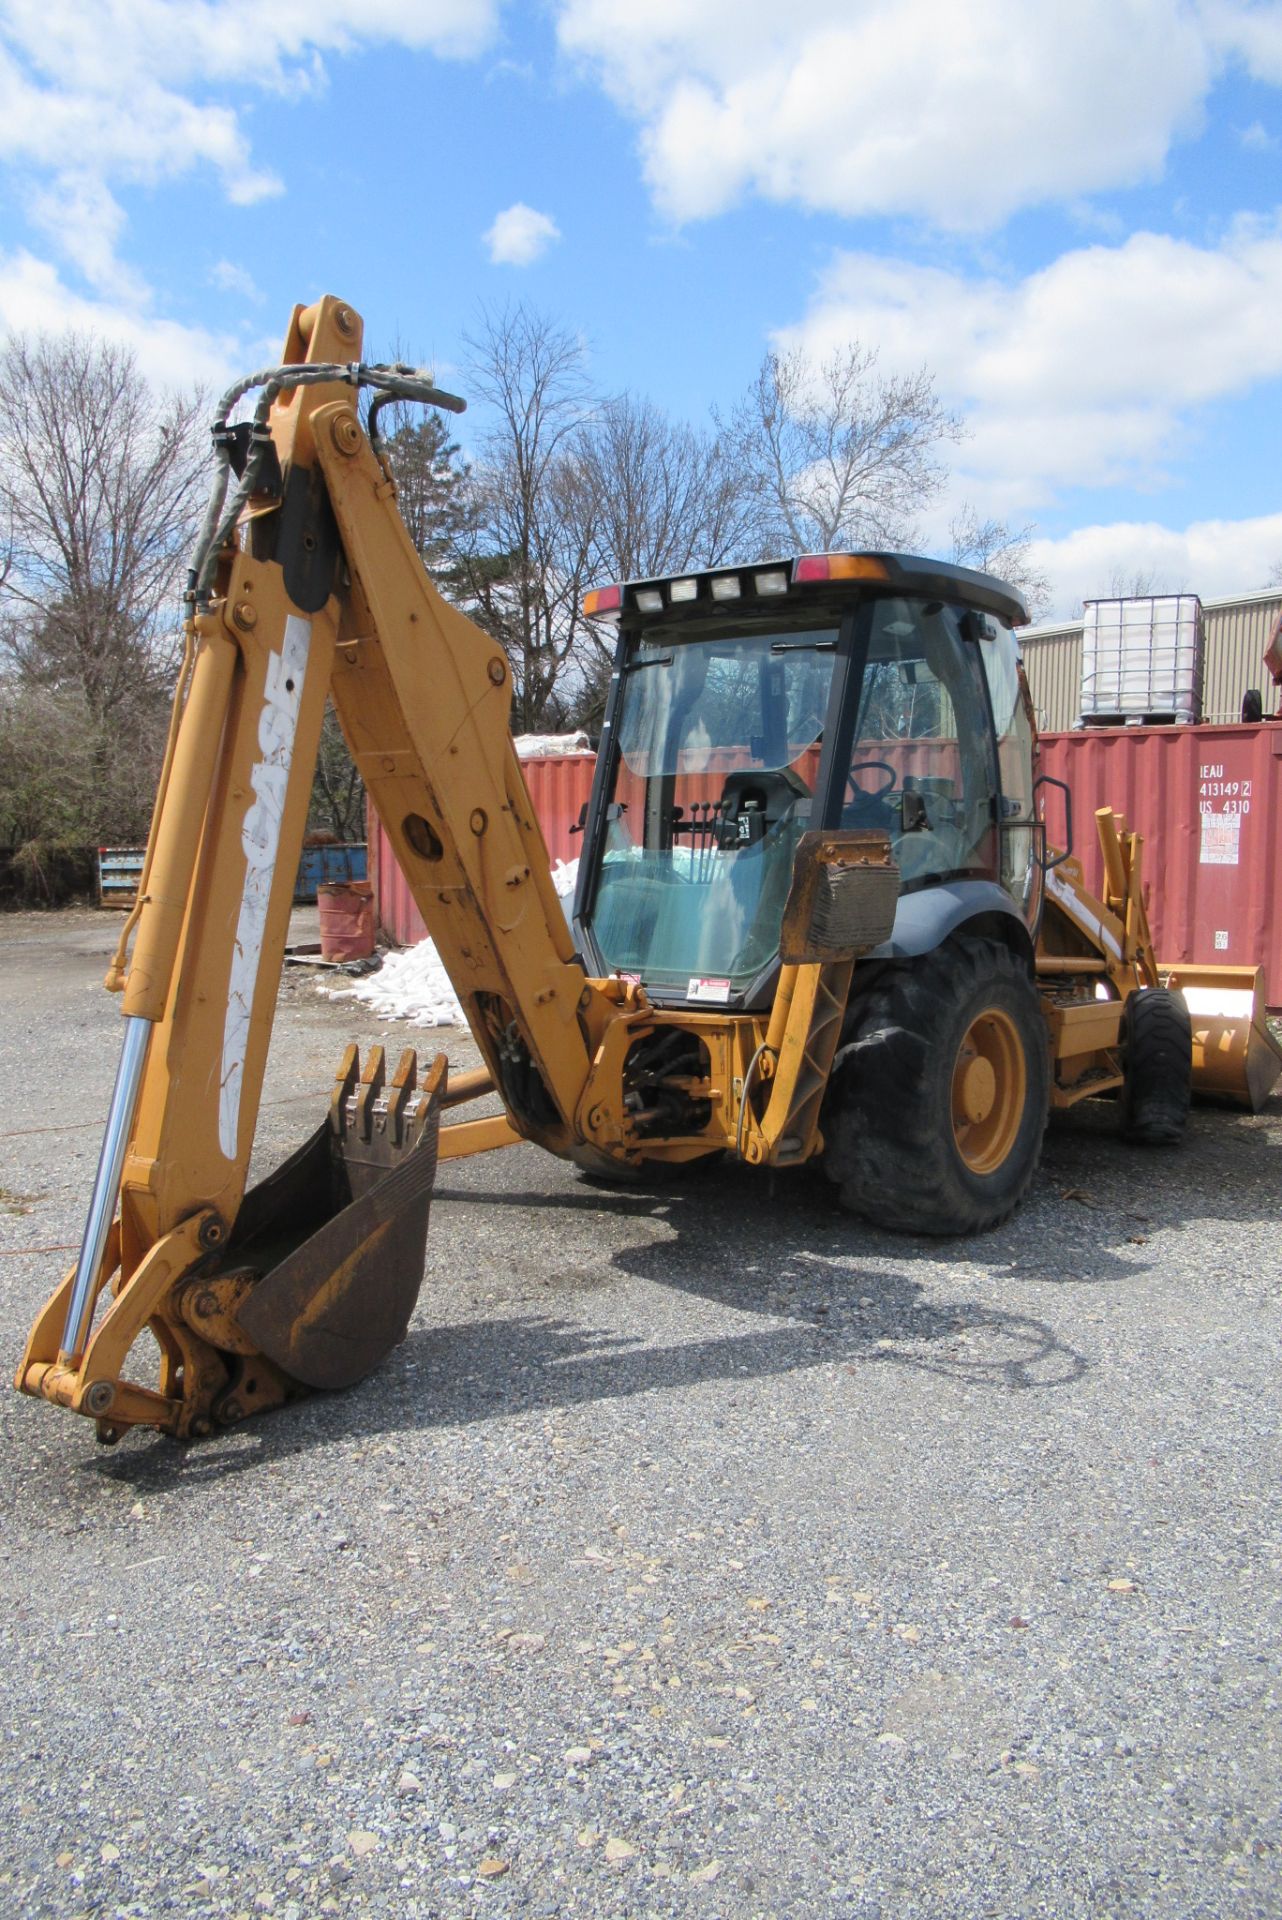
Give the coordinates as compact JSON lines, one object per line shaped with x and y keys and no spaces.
{"x":1235,"y":632}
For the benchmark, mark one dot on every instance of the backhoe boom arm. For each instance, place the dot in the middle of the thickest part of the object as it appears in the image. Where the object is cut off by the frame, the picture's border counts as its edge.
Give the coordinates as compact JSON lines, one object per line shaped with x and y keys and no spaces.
{"x":307,"y":587}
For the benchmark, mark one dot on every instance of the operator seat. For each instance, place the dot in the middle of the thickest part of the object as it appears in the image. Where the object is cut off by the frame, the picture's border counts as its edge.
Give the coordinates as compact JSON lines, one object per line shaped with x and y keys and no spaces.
{"x":753,"y":800}
{"x":761,"y":812}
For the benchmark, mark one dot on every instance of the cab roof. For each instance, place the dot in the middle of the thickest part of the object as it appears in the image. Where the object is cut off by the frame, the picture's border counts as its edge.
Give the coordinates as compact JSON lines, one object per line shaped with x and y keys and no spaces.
{"x":803,"y":578}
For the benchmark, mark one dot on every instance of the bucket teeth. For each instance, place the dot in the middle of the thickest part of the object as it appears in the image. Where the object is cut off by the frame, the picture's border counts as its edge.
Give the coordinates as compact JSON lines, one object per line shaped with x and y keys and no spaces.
{"x":337,"y":1235}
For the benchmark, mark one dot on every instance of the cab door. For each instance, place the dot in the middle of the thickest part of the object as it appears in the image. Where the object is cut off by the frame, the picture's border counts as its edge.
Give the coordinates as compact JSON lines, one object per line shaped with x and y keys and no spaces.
{"x":1022,"y":867}
{"x":923,"y":764}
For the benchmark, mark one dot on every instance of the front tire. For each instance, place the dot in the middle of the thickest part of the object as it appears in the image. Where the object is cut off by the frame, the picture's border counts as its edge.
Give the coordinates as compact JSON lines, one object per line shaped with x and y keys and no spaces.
{"x":937,"y":1106}
{"x":1157,"y":1067}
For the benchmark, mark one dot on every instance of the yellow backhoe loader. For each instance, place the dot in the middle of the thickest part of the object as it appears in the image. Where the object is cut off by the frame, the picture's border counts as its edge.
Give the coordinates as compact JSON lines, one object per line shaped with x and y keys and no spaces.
{"x":816,"y":913}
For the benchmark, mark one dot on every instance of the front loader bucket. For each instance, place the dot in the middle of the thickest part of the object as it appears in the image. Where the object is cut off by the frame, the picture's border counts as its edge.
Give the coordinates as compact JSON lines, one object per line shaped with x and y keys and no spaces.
{"x":325,"y":1263}
{"x":1235,"y":1056}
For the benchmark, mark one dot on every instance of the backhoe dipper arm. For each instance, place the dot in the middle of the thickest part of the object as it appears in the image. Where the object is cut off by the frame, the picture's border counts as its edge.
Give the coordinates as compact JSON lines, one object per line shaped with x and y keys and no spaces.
{"x":424,"y":698}
{"x":306,"y":584}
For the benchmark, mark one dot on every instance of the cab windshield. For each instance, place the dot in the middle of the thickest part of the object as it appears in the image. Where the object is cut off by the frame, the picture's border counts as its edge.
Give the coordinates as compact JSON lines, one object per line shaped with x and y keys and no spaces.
{"x":718,"y":744}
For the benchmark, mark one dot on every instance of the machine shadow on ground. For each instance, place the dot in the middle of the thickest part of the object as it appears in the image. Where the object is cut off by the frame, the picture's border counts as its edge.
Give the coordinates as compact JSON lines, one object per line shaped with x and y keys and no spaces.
{"x":796,"y":1307}
{"x":816,"y":1289}
{"x":519,"y":1364}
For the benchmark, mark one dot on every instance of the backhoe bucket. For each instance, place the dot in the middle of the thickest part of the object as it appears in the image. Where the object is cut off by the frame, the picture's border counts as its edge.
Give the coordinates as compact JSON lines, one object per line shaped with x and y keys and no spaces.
{"x":314,"y":1288}
{"x":1235,"y":1056}
{"x":325,"y":1263}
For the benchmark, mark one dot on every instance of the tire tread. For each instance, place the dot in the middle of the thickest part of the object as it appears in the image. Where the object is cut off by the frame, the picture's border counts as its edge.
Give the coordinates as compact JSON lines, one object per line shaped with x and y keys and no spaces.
{"x":888,"y":1123}
{"x":1157,"y":1068}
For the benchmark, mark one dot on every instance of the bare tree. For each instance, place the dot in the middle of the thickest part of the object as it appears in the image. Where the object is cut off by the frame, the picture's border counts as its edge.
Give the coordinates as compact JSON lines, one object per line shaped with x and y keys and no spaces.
{"x":45,"y":790}
{"x":338,"y":792}
{"x":525,"y":567}
{"x":839,"y":455}
{"x":1007,"y":552}
{"x":99,"y":487}
{"x":100,"y":484}
{"x":667,"y":497}
{"x":1140,"y":583}
{"x":661,"y":498}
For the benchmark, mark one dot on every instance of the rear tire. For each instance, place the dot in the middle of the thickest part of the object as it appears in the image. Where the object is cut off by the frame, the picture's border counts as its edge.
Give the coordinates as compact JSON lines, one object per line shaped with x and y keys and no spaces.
{"x":1157,"y":1064}
{"x":937,"y":1107}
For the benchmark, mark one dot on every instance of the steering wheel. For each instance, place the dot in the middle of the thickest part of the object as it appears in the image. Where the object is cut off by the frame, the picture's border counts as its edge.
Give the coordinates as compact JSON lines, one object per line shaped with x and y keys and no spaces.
{"x":874,"y":766}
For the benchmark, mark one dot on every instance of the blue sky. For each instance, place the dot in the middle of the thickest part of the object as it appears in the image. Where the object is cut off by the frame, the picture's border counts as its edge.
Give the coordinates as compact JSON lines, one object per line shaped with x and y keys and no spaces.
{"x":1071,"y":213}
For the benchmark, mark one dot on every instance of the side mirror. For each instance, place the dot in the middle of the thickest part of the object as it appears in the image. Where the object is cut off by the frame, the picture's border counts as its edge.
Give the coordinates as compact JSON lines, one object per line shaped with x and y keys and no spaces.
{"x":1043,"y":859}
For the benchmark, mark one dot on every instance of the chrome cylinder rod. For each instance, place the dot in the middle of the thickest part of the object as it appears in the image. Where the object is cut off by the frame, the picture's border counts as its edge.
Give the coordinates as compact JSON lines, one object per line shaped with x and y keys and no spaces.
{"x":106,"y":1187}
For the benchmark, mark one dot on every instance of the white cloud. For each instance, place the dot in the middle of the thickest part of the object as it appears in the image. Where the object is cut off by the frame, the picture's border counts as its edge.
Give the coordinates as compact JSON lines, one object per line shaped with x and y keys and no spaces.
{"x":120,"y":92}
{"x":33,"y":299}
{"x":1088,"y":373}
{"x":923,"y":107}
{"x":1213,"y":558}
{"x":520,"y":235}
{"x":104,"y":45}
{"x":85,"y":220}
{"x":1248,"y":31}
{"x":226,"y":275}
{"x":100,"y":95}
{"x":1257,"y":138}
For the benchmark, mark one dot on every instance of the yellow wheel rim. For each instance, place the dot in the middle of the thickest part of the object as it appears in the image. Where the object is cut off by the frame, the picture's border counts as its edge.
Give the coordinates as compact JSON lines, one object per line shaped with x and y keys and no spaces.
{"x":990,"y":1086}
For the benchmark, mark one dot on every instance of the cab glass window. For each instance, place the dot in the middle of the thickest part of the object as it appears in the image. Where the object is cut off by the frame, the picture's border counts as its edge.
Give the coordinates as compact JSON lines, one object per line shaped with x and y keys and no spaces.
{"x":922,"y":768}
{"x":718,"y":745}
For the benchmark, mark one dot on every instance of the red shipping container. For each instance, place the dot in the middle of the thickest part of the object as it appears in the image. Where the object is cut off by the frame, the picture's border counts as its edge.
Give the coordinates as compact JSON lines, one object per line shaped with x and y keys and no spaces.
{"x":1208,"y":801}
{"x":558,"y":788}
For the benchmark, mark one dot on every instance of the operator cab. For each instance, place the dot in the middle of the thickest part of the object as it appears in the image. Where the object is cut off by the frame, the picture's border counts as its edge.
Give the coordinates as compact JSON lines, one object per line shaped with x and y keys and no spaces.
{"x":750,"y":705}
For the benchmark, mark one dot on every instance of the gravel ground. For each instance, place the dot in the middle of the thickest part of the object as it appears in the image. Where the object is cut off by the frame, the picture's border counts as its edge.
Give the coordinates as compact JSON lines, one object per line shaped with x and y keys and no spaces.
{"x":700,"y":1552}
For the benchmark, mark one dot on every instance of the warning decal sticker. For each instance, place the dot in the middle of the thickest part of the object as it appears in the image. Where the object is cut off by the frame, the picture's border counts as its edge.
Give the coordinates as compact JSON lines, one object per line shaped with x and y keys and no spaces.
{"x":1220,"y":833}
